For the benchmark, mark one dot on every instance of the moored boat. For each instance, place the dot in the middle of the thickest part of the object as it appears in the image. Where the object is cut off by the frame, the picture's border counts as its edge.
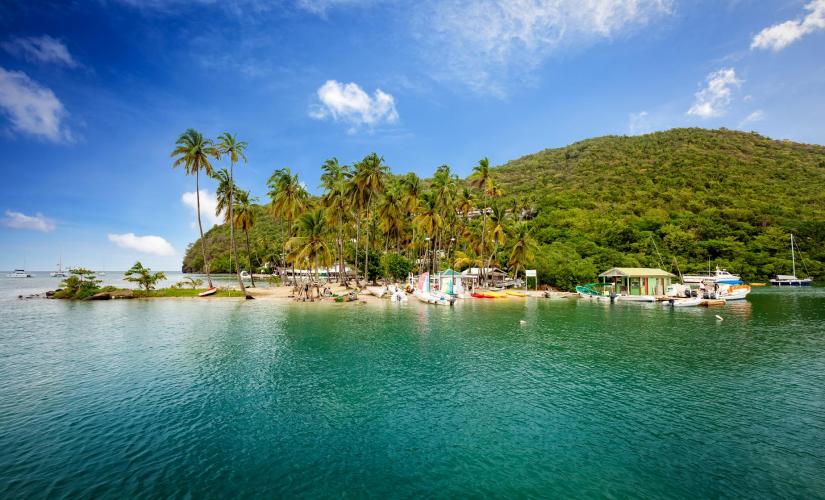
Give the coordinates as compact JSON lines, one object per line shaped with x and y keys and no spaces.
{"x":18,"y":273}
{"x":683,"y":302}
{"x":791,"y":279}
{"x":721,"y":276}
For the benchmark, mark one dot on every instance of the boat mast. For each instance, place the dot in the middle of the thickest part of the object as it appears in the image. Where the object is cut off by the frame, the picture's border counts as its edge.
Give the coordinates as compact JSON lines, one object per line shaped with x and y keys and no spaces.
{"x":793,"y":257}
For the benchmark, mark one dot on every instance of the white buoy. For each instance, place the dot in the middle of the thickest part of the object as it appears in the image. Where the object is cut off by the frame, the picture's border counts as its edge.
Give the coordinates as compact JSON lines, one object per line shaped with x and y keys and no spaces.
{"x":720,"y":318}
{"x":522,"y":322}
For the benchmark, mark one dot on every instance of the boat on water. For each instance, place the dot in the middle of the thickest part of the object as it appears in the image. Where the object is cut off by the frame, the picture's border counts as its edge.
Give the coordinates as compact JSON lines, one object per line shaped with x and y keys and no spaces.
{"x":596,"y":291}
{"x":791,"y":279}
{"x":423,"y":293}
{"x":18,"y":273}
{"x":718,"y":275}
{"x":726,"y":292}
{"x":60,"y":273}
{"x":683,"y":302}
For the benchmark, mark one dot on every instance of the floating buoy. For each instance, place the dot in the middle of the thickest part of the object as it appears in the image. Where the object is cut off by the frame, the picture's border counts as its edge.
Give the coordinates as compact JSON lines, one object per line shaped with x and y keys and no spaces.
{"x":720,"y":318}
{"x":522,"y":322}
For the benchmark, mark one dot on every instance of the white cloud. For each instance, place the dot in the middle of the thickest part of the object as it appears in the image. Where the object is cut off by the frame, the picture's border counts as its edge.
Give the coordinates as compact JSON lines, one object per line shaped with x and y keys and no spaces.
{"x":31,"y":108}
{"x":154,"y":245}
{"x":349,"y":103}
{"x":714,"y":99}
{"x":36,"y":222}
{"x":756,"y":116}
{"x":208,"y":205}
{"x":779,"y":36}
{"x":484,"y":44}
{"x":638,"y":123}
{"x":42,"y":49}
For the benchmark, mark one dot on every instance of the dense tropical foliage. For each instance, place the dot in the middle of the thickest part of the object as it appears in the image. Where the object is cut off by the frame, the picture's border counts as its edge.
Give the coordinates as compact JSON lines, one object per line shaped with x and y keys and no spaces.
{"x":680,"y":200}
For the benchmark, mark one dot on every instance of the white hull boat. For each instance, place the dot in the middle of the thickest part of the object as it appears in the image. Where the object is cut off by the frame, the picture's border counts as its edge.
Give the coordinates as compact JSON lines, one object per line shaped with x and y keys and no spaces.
{"x":718,"y":276}
{"x":18,"y":273}
{"x":636,"y":298}
{"x":791,"y":279}
{"x":685,"y":302}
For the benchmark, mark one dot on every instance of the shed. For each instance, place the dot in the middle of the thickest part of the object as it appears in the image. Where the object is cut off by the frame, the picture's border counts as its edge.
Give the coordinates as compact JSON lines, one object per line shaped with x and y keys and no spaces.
{"x":638,"y":280}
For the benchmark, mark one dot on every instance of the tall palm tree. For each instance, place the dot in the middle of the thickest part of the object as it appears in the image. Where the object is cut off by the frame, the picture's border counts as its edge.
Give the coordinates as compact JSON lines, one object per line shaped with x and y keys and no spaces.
{"x":229,"y":145}
{"x":498,"y":221}
{"x":524,"y":247}
{"x":334,"y":181}
{"x":310,"y":246}
{"x":289,"y":198}
{"x":391,"y":215}
{"x":244,"y":220}
{"x":368,"y":184}
{"x":428,"y":220}
{"x":411,"y":189}
{"x":482,"y":179}
{"x":193,"y":151}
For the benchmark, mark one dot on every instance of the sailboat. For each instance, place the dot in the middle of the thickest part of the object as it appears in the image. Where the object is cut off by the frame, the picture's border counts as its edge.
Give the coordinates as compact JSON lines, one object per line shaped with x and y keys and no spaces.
{"x":60,"y":273}
{"x":423,"y":293}
{"x":791,"y":279}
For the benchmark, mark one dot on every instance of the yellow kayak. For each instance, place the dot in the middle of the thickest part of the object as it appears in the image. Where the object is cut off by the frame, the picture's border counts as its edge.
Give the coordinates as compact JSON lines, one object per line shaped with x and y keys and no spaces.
{"x":516,"y":293}
{"x":496,"y":295}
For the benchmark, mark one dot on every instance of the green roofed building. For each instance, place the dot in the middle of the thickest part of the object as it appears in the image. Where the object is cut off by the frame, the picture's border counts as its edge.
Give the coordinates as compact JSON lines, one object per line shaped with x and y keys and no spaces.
{"x":639,"y":281}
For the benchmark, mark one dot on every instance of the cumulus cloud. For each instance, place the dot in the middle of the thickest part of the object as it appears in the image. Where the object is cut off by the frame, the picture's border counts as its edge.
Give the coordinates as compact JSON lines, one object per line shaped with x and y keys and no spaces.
{"x":31,"y":108}
{"x":349,"y":103}
{"x":714,"y":99}
{"x":36,"y":222}
{"x":483,"y":44}
{"x":154,"y":245}
{"x":208,"y":205}
{"x":779,"y":36}
{"x":42,"y":49}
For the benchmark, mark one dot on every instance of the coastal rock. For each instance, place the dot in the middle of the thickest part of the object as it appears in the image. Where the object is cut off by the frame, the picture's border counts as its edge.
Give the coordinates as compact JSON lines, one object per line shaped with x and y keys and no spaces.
{"x":100,"y":296}
{"x":122,"y":294}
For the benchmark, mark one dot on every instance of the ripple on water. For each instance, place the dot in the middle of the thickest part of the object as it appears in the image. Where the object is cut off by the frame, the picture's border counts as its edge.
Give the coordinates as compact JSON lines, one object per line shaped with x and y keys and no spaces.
{"x":220,"y":398}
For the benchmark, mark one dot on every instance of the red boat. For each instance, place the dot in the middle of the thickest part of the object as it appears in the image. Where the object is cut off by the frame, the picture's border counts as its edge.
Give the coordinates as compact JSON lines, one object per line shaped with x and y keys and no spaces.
{"x":481,"y":296}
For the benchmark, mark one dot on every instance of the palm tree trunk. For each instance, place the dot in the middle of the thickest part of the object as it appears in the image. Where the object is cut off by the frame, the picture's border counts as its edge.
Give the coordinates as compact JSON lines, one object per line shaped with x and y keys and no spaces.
{"x":232,"y":228}
{"x":483,"y":273}
{"x":357,"y":237}
{"x":249,"y":257}
{"x":200,"y":226}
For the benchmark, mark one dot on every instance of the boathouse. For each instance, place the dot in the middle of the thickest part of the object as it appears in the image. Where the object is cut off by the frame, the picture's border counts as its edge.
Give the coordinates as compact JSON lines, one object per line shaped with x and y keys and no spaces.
{"x":637,"y":280}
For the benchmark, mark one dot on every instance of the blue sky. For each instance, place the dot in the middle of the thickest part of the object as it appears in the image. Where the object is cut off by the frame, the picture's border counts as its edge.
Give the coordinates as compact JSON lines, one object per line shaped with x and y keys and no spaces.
{"x":94,"y":93}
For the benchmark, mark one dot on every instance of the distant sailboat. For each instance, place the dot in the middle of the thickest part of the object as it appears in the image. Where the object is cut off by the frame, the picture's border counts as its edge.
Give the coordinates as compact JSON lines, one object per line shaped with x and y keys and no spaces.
{"x":60,"y":273}
{"x":791,"y":280}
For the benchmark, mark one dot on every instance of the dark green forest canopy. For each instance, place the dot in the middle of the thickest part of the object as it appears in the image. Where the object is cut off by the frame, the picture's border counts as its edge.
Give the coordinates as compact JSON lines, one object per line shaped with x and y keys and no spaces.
{"x":729,"y":197}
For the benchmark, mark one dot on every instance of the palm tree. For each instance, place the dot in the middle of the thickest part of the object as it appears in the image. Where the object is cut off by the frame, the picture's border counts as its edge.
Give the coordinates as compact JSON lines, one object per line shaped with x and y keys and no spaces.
{"x":310,"y":246}
{"x":193,"y":152}
{"x":289,"y":198}
{"x":367,"y":184}
{"x":498,"y":221}
{"x":391,"y":215}
{"x":428,"y":220}
{"x":481,"y":179}
{"x":524,"y":247}
{"x":334,"y":181}
{"x":229,"y":145}
{"x":244,"y":220}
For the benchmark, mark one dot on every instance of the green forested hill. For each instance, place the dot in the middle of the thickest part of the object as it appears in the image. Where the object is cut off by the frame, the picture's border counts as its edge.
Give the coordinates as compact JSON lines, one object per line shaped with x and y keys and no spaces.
{"x":729,"y":197}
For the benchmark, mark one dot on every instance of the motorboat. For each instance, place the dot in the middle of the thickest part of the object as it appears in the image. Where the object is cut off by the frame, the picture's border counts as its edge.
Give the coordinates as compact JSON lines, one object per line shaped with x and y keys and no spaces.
{"x":721,"y":276}
{"x":726,"y":292}
{"x":18,"y":273}
{"x":683,"y":302}
{"x":635,"y":298}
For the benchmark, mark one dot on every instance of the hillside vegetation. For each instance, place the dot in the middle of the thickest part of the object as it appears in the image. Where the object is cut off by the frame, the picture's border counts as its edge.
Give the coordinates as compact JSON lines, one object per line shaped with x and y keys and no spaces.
{"x":696,"y":195}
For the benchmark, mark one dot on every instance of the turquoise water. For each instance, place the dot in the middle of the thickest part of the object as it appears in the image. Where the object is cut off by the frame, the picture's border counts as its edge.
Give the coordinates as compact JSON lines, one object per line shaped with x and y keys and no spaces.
{"x":224,"y":398}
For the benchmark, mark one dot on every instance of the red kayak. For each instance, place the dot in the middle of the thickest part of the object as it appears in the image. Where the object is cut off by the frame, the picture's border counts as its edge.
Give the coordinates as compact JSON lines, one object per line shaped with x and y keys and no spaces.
{"x":481,"y":296}
{"x":208,"y":292}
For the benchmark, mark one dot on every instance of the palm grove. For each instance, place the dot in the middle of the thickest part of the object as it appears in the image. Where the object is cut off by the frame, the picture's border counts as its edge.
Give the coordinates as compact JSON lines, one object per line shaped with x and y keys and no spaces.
{"x":377,"y":224}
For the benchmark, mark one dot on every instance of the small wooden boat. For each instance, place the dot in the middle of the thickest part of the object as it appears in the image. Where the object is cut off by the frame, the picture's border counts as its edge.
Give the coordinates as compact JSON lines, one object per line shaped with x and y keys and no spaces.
{"x":208,"y":292}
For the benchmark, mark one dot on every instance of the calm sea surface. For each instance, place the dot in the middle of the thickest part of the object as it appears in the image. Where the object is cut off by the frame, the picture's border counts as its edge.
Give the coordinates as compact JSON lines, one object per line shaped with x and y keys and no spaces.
{"x":224,"y":398}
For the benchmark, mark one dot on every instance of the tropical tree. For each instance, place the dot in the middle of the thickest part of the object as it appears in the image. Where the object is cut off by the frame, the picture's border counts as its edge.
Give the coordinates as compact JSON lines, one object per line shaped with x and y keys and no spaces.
{"x":334,"y":180}
{"x":143,"y":276}
{"x":498,"y":233}
{"x":193,"y":151}
{"x":229,"y":145}
{"x":289,"y":198}
{"x":428,"y":221}
{"x":245,"y":220}
{"x":367,"y":184}
{"x":524,"y":248}
{"x":310,"y":246}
